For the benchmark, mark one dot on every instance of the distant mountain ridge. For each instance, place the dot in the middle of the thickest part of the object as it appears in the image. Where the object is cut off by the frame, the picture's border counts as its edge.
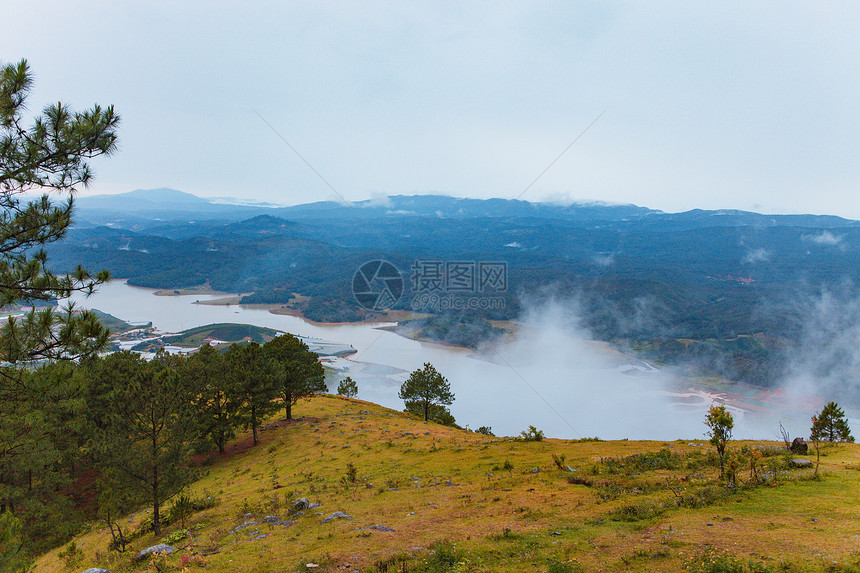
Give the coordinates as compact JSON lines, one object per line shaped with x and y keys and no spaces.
{"x":167,"y":204}
{"x":146,"y":197}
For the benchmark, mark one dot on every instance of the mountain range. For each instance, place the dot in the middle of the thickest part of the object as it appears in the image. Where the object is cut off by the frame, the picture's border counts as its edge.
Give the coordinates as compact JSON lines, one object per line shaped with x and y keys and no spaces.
{"x":727,"y":290}
{"x":171,"y":205}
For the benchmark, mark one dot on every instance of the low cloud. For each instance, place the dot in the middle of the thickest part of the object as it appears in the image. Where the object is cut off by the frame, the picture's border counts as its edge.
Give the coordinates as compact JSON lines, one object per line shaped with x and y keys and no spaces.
{"x":379,"y":200}
{"x":553,"y":373}
{"x":756,"y":256}
{"x":825,"y":238}
{"x":825,"y":362}
{"x":603,"y":260}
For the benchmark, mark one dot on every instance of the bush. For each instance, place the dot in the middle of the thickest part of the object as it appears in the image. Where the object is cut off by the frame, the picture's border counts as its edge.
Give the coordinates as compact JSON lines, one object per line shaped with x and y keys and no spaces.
{"x":205,"y":501}
{"x":11,"y":542}
{"x":435,"y":412}
{"x":714,"y":562}
{"x":71,"y":555}
{"x":351,"y":474}
{"x":532,"y":434}
{"x":664,"y":459}
{"x":146,"y":526}
{"x":636,"y":512}
{"x":577,"y":480}
{"x":444,"y":556}
{"x":706,"y":496}
{"x":391,"y":564}
{"x":554,"y":566}
{"x":176,"y":537}
{"x":180,"y":510}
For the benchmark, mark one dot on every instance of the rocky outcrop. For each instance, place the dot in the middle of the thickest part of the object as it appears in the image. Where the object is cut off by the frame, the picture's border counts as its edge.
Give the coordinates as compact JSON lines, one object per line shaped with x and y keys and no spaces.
{"x":798,"y":446}
{"x":336,"y":515}
{"x":300,"y":504}
{"x":160,"y":548}
{"x":382,"y":528}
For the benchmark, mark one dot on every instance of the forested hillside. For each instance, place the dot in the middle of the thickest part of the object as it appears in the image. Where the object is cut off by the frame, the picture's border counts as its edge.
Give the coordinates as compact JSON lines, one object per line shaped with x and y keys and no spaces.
{"x":719,"y":289}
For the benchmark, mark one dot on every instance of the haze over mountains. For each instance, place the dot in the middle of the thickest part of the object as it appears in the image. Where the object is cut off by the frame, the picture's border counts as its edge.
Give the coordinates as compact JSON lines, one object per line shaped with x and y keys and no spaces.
{"x":732,"y":292}
{"x":173,"y":205}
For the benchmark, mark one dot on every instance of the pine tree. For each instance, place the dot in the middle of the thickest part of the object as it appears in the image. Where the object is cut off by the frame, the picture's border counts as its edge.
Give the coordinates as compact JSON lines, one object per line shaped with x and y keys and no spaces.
{"x":49,"y":156}
{"x":830,"y":425}
{"x":299,"y":370}
{"x":147,"y":427}
{"x":254,"y":377}
{"x":425,"y":388}
{"x":40,"y":453}
{"x":42,"y":165}
{"x":215,"y":399}
{"x":347,"y":387}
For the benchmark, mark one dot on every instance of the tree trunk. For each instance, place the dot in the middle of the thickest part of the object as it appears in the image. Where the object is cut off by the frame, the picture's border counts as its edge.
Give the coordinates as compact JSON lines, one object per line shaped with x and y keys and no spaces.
{"x":288,"y":406}
{"x":156,"y":518}
{"x":254,"y":424}
{"x":426,"y":409}
{"x":722,"y":453}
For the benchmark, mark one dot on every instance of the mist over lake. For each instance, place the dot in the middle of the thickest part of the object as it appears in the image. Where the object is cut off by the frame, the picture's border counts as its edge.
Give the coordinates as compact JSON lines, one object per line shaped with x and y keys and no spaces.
{"x":550,"y":374}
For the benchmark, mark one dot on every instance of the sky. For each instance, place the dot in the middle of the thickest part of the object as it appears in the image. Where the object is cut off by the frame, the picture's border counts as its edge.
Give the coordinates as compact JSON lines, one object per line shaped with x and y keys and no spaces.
{"x":668,"y":105}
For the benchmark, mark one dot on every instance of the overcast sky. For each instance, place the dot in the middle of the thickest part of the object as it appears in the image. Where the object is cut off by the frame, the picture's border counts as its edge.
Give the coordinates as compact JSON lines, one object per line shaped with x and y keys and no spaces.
{"x":747,"y":105}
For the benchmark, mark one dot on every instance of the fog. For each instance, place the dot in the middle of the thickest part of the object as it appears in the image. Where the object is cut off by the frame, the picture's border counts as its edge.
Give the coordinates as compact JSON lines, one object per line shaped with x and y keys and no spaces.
{"x":552,"y":374}
{"x":549,"y":373}
{"x":825,"y":363}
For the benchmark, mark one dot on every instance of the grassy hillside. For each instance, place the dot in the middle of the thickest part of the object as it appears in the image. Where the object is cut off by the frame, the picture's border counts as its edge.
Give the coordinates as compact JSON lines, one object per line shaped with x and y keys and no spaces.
{"x":115,"y":324}
{"x":462,"y":501}
{"x":225,"y":332}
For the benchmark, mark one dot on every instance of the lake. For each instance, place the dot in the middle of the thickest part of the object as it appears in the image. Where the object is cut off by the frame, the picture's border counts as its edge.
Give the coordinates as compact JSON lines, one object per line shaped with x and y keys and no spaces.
{"x":550,"y":375}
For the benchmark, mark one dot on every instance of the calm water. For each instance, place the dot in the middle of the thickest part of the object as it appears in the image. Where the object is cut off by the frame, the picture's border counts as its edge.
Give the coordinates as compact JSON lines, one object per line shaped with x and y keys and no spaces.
{"x":551,"y":376}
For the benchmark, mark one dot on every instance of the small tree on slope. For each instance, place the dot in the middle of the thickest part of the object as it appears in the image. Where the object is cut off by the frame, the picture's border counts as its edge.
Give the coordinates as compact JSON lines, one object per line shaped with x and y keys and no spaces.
{"x":426,"y":387}
{"x":720,"y":423}
{"x":830,"y":425}
{"x":300,"y":373}
{"x":348,"y":388}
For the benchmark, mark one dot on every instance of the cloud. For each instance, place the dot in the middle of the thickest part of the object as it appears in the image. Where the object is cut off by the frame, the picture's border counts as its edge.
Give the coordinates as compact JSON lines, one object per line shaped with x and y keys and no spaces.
{"x":825,"y":238}
{"x":378,"y":199}
{"x":603,"y":260}
{"x":825,"y":362}
{"x":552,"y":373}
{"x":756,"y":256}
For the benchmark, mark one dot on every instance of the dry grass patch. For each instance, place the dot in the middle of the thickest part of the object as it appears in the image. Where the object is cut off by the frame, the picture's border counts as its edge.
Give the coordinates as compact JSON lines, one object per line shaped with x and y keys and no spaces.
{"x":461,"y":501}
